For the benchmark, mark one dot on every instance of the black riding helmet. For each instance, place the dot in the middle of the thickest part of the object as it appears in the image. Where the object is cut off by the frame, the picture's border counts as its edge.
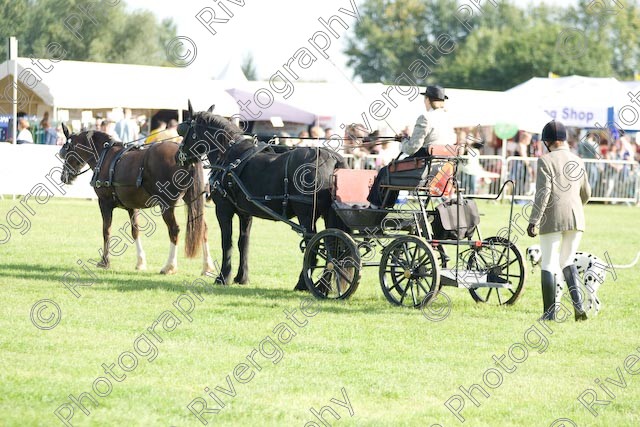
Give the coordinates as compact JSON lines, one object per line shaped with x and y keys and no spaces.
{"x":552,"y":132}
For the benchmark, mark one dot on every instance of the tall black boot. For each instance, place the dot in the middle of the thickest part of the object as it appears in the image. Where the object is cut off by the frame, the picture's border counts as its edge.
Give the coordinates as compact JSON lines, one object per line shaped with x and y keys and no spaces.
{"x":572,"y":278}
{"x":548,"y":280}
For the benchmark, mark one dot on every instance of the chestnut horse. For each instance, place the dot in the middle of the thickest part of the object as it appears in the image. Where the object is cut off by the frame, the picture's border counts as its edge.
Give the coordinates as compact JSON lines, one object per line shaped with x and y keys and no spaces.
{"x":135,"y":178}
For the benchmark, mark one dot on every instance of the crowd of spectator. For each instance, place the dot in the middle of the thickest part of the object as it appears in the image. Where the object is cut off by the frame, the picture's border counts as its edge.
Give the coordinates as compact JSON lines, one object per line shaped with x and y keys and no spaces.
{"x":128,"y":129}
{"x":367,"y":150}
{"x":609,"y":179}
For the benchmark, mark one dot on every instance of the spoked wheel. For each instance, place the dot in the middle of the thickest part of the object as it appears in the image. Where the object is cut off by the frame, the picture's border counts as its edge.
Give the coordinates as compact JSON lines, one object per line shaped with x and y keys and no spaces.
{"x":409,"y":272}
{"x":332,"y":265}
{"x":441,"y":255}
{"x":503,"y":263}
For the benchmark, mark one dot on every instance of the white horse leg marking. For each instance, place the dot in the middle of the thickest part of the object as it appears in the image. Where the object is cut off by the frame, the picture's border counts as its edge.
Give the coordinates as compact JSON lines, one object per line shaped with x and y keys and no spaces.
{"x":171,"y":267}
{"x":207,"y":262}
{"x":142,"y":257}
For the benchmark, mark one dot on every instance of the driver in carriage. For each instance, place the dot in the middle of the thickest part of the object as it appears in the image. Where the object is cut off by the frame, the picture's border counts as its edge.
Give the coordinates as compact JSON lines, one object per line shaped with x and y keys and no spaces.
{"x":431,"y":129}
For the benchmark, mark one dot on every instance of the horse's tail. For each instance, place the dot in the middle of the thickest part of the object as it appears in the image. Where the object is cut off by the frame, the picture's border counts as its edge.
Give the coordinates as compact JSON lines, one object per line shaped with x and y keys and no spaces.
{"x":333,"y":220}
{"x":194,"y":198}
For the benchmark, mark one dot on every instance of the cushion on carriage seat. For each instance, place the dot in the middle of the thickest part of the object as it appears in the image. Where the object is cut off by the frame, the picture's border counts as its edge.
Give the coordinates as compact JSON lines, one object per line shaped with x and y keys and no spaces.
{"x":351,"y":186}
{"x":410,"y":164}
{"x":442,"y":150}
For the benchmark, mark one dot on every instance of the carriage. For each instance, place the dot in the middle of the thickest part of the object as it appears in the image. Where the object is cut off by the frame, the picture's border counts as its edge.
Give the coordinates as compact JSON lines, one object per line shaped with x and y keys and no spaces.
{"x":418,"y":247}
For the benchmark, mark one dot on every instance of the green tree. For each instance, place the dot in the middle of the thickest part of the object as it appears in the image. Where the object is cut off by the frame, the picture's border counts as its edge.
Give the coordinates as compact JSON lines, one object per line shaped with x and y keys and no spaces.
{"x":249,"y":67}
{"x":12,"y":21}
{"x":617,"y":27}
{"x":118,"y":36}
{"x":500,"y":58}
{"x":386,"y":39}
{"x":503,"y":47}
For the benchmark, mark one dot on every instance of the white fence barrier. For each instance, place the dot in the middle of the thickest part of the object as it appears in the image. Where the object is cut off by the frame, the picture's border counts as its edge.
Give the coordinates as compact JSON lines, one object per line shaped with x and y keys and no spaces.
{"x":31,"y":168}
{"x":613,"y":181}
{"x":480,"y":176}
{"x":35,"y":169}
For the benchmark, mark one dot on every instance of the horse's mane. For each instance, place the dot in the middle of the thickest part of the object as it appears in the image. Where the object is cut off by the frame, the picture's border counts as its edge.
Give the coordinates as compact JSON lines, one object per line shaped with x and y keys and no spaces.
{"x":216,"y":121}
{"x":97,"y":137}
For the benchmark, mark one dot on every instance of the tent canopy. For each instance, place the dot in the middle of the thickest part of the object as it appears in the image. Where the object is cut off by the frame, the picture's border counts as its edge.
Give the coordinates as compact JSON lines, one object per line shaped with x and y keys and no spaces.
{"x":232,"y":72}
{"x":575,"y":100}
{"x":92,"y":85}
{"x":248,"y":92}
{"x":343,"y":103}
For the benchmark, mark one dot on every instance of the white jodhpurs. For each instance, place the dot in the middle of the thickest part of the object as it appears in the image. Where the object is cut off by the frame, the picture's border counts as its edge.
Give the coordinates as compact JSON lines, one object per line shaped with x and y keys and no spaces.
{"x":558,"y":250}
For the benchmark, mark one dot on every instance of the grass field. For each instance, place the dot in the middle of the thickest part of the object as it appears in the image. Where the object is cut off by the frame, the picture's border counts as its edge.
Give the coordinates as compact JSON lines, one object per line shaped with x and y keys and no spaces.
{"x":372,"y":363}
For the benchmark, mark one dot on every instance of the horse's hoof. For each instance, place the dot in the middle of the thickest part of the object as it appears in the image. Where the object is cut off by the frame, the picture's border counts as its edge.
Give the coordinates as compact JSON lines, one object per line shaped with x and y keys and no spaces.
{"x":240,"y":280}
{"x":141,"y":267}
{"x":169,"y":270}
{"x":102,"y":264}
{"x":210,"y":269}
{"x":301,"y":288}
{"x":221,"y":280}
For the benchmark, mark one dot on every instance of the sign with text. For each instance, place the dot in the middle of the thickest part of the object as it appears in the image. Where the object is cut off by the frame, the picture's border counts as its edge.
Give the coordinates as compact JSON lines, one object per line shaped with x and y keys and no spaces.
{"x":578,"y":116}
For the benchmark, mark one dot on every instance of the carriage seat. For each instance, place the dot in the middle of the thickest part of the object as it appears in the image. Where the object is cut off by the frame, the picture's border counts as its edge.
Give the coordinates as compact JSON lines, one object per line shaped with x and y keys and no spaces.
{"x":421,"y":173}
{"x":351,"y":186}
{"x":442,"y":150}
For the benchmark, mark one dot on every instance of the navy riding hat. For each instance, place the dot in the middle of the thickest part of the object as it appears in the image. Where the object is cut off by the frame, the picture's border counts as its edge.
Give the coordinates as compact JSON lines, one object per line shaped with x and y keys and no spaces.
{"x":554,"y":131}
{"x":435,"y":92}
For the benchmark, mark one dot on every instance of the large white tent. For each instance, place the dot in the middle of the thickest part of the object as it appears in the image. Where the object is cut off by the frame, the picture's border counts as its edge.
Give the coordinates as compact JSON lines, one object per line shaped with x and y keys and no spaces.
{"x":75,"y":85}
{"x":470,"y":108}
{"x":337,"y":104}
{"x":576,"y":100}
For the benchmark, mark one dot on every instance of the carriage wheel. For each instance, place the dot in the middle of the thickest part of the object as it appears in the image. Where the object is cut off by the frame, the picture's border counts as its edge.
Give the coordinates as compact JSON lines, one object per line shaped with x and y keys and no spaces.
{"x":331,"y":265}
{"x":409,"y":272}
{"x":441,"y":255}
{"x":492,"y":258}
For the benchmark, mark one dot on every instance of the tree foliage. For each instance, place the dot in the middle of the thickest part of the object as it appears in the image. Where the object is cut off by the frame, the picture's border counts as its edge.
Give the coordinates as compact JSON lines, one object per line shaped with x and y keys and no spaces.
{"x":500,"y":48}
{"x":249,"y":67}
{"x":385,"y":40}
{"x":116,"y":36}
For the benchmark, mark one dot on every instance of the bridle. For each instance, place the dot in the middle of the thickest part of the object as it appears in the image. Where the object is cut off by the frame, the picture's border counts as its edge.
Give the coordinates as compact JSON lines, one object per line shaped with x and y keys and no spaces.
{"x":182,"y":158}
{"x":68,"y":147}
{"x":189,"y":128}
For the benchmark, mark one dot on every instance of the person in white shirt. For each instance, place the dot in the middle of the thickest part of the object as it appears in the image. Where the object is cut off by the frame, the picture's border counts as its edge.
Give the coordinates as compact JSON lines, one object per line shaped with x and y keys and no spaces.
{"x":24,"y":134}
{"x":431,"y":128}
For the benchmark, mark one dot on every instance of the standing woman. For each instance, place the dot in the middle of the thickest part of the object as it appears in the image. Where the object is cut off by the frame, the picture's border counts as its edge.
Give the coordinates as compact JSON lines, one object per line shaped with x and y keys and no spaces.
{"x":562,"y":187}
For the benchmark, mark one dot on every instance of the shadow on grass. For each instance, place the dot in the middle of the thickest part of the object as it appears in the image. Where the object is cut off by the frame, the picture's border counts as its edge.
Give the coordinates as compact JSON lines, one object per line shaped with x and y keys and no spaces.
{"x":250,"y":295}
{"x":35,"y":271}
{"x":127,"y":281}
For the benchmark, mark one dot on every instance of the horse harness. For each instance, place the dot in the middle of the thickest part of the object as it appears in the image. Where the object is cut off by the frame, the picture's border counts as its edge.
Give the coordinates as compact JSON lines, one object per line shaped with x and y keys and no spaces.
{"x":109,"y":183}
{"x":224,"y":179}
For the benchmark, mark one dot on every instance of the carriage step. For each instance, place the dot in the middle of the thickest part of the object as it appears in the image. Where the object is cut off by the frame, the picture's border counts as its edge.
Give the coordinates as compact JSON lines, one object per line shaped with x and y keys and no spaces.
{"x":463,"y":278}
{"x":469,"y":279}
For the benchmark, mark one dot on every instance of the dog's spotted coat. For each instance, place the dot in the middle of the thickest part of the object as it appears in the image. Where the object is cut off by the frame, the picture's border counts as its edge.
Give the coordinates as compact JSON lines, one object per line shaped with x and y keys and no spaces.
{"x":592,"y":271}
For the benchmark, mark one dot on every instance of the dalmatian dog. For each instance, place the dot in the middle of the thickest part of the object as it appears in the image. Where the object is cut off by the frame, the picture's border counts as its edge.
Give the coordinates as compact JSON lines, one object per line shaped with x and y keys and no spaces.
{"x":592,"y":271}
